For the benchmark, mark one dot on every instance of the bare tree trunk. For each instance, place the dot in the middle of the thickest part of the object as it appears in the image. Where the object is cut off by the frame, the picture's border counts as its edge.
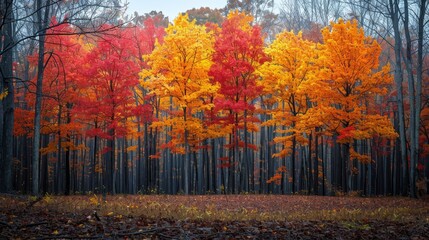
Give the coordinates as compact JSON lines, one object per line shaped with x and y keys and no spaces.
{"x":293,"y":160}
{"x":38,"y":105}
{"x":213,"y":175}
{"x":187,"y":156}
{"x":67,"y":158}
{"x":316,"y":163}
{"x":263,"y":148}
{"x":247,"y":168}
{"x":419,"y":75}
{"x":310,"y":180}
{"x":59,"y":148}
{"x":398,"y":76}
{"x":6,"y":104}
{"x":237,"y":161}
{"x":414,"y":131}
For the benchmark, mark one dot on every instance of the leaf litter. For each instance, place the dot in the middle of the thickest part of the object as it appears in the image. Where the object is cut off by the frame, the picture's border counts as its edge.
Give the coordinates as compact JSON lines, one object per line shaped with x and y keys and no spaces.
{"x":212,"y":217}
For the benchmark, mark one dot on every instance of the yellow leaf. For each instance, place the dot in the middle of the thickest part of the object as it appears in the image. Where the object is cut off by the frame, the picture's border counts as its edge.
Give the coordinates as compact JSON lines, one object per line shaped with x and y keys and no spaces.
{"x":3,"y":94}
{"x":132,"y":148}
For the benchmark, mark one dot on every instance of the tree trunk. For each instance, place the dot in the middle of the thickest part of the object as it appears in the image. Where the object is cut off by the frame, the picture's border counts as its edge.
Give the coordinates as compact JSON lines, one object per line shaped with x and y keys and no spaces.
{"x":310,"y":180}
{"x":293,"y":160}
{"x":44,"y":174}
{"x":246,"y":161}
{"x":67,"y":158}
{"x":213,"y":175}
{"x":38,"y":104}
{"x":398,"y":76}
{"x":419,"y":79}
{"x":316,"y":164}
{"x":187,"y":156}
{"x":414,"y":109}
{"x":237,"y":161}
{"x":7,"y":103}
{"x":59,"y":148}
{"x":94,"y":183}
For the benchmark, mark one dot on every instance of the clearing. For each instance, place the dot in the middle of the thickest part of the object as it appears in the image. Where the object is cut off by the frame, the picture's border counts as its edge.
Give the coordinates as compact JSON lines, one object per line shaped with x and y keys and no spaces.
{"x":213,"y":217}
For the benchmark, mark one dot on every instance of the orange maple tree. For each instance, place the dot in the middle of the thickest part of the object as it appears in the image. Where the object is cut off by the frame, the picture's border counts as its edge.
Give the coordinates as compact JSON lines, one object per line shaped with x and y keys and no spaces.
{"x":350,"y":76}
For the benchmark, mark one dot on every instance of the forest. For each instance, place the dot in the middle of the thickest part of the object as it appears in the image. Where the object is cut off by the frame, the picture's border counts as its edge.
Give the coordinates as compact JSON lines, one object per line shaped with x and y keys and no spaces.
{"x":295,"y":97}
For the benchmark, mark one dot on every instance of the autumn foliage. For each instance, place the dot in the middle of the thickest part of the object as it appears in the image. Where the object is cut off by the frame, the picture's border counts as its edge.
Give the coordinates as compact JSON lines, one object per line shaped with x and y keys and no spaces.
{"x":196,"y":108}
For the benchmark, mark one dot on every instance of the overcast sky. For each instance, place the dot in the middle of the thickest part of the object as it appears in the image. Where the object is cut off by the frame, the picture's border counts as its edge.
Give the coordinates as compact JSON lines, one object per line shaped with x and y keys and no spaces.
{"x":171,"y":8}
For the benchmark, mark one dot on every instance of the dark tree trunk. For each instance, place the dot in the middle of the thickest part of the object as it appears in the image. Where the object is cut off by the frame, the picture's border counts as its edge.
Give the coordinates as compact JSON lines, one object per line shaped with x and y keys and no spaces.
{"x":310,"y":169}
{"x":293,"y":164}
{"x":43,"y":22}
{"x":7,"y":103}
{"x":44,"y":174}
{"x":213,"y":175}
{"x":398,"y":76}
{"x":316,"y":163}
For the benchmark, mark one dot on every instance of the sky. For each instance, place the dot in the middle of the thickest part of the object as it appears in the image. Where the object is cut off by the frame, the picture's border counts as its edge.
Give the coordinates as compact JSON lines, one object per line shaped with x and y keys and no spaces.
{"x":171,"y":8}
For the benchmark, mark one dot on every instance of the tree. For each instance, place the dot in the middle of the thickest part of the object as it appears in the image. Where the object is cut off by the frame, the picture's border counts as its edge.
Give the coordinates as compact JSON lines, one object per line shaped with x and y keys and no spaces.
{"x":288,"y":78}
{"x":205,"y":15}
{"x":392,"y":20}
{"x":299,"y":15}
{"x":38,"y":13}
{"x":157,"y":18}
{"x":112,"y":72}
{"x":146,"y":34}
{"x":6,"y":95}
{"x":43,"y":22}
{"x":351,"y":76}
{"x":61,"y":76}
{"x":238,"y":52}
{"x":179,"y":68}
{"x":414,"y":84}
{"x":261,"y":10}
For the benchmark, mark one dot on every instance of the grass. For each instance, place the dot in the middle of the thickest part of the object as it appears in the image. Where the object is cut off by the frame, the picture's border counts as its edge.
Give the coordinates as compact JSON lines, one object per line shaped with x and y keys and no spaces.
{"x":241,"y":208}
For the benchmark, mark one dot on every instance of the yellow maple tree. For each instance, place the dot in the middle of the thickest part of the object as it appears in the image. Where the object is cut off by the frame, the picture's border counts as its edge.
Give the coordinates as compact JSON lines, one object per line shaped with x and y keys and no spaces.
{"x":178,"y":70}
{"x":289,"y":79}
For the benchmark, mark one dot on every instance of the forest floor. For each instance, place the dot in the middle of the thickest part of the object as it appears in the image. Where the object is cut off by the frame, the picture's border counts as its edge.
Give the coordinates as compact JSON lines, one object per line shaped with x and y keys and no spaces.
{"x":212,"y":217}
